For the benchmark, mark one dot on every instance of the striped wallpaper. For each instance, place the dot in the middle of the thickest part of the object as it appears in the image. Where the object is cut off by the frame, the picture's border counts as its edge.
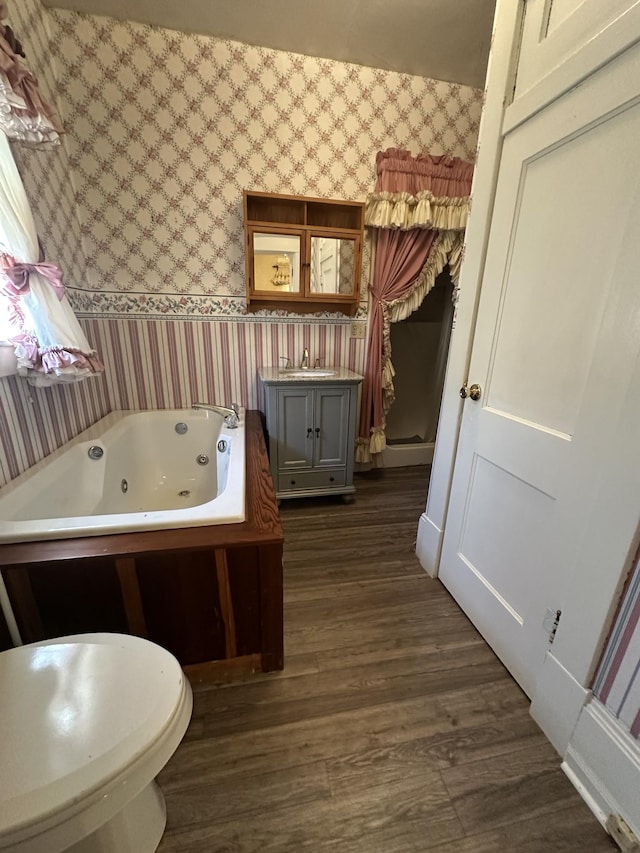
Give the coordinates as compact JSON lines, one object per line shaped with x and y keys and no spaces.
{"x":35,"y":421}
{"x":617,"y":681}
{"x":160,"y":364}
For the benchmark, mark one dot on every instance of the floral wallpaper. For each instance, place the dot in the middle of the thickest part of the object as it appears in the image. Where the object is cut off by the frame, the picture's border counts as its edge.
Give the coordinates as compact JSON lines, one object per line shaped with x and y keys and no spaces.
{"x":166,"y":129}
{"x":141,"y":204}
{"x":617,"y":681}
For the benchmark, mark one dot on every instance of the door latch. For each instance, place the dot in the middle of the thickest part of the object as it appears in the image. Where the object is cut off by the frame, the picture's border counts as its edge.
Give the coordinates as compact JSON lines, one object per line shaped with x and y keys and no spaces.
{"x":550,"y":623}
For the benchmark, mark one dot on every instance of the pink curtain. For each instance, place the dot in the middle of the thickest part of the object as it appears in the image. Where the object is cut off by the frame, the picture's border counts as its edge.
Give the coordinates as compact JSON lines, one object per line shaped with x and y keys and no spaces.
{"x":419,"y":207}
{"x":400,"y":257}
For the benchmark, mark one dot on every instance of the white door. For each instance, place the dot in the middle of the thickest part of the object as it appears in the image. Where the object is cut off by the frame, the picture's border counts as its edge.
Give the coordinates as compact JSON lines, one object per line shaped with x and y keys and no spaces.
{"x":557,"y":332}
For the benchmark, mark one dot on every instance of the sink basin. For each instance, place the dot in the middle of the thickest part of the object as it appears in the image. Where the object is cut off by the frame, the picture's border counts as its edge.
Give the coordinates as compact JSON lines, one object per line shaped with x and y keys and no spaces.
{"x":312,"y":373}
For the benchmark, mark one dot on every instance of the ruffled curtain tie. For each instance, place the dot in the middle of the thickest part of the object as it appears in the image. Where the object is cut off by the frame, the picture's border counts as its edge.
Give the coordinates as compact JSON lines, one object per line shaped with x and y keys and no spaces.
{"x":18,"y":274}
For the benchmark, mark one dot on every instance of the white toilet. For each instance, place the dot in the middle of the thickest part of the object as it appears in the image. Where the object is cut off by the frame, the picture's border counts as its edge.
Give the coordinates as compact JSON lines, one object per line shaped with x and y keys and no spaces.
{"x":86,"y":724}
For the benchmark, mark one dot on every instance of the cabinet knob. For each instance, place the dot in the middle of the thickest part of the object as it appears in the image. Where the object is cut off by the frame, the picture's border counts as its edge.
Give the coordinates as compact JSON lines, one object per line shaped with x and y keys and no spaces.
{"x":318,"y":432}
{"x":309,"y":432}
{"x":293,"y":482}
{"x":331,"y":479}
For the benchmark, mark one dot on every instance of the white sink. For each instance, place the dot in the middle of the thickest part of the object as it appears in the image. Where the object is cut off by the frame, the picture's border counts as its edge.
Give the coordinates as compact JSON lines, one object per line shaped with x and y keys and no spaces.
{"x":311,"y":373}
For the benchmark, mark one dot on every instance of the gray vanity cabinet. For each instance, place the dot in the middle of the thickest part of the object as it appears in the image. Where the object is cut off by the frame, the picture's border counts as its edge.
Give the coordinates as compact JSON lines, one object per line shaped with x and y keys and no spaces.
{"x":311,"y":428}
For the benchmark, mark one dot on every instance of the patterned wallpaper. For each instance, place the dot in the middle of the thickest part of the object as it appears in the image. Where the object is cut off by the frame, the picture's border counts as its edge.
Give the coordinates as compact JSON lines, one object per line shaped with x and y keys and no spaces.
{"x":152,"y":364}
{"x":617,"y":681}
{"x":159,"y":364}
{"x":167,"y":129}
{"x":141,"y":204}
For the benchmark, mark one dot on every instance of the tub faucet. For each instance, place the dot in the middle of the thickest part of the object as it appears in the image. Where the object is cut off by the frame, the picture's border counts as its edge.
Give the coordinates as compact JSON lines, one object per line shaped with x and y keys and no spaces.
{"x":231,"y":413}
{"x":304,"y":364}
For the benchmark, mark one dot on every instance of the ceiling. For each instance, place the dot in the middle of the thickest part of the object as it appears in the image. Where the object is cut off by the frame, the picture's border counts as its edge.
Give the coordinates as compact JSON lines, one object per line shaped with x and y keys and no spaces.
{"x":444,"y":39}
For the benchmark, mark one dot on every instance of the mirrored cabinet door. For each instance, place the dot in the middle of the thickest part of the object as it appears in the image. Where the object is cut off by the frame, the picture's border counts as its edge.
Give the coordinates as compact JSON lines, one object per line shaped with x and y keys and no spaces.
{"x":276,"y":263}
{"x":333,"y":266}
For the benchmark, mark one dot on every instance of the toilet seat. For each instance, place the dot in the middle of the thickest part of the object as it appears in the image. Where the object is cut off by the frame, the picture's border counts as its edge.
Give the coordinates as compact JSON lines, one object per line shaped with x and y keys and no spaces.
{"x":86,"y":723}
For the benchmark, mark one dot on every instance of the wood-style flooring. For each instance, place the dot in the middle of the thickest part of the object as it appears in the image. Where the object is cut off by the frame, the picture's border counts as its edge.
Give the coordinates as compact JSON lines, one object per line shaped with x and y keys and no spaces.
{"x":393,"y":728}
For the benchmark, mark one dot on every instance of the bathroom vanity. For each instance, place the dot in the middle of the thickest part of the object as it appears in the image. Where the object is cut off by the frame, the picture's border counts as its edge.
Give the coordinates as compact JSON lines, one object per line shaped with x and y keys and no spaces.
{"x":311,"y":421}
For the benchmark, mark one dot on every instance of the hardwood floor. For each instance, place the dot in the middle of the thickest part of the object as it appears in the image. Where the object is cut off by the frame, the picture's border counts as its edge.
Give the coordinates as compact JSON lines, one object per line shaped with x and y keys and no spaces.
{"x":392,"y":728}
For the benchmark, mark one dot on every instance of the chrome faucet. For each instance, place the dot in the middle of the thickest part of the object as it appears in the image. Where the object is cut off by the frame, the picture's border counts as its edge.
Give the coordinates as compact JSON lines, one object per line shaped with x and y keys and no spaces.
{"x":231,"y":414}
{"x":304,"y":364}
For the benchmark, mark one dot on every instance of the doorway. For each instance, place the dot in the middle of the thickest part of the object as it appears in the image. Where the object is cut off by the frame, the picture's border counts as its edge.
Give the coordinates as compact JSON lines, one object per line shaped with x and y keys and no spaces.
{"x":419,"y":346}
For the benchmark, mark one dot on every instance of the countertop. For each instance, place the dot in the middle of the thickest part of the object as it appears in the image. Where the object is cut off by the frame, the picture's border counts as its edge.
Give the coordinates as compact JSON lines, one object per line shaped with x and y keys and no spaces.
{"x":270,"y":375}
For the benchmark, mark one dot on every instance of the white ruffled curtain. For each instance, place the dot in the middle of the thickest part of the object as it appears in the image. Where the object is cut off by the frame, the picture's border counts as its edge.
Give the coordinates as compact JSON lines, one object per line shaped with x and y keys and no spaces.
{"x":50,"y":346}
{"x":25,"y":115}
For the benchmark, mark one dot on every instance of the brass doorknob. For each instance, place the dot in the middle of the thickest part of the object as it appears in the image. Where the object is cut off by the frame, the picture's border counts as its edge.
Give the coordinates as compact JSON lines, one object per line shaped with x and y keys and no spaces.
{"x":475,"y":391}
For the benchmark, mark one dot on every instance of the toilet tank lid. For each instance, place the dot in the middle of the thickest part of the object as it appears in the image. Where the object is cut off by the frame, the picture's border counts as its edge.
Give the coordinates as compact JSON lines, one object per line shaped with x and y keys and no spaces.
{"x":74,"y":713}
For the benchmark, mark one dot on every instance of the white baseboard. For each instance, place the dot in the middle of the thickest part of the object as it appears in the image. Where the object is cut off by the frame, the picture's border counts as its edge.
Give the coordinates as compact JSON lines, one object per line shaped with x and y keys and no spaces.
{"x":603,"y":762}
{"x":429,"y":545}
{"x":557,"y":702}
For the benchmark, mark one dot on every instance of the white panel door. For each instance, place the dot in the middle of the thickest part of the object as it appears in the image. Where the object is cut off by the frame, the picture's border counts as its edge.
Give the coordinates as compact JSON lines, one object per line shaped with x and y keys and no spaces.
{"x":556,"y":335}
{"x":554,"y":31}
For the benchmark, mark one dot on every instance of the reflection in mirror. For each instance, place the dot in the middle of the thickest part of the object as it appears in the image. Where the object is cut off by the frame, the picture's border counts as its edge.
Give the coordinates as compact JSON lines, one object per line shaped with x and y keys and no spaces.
{"x":332,"y":265}
{"x":276,"y":263}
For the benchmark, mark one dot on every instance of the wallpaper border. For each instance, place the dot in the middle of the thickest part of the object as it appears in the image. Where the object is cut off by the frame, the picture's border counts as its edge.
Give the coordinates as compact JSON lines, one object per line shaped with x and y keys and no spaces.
{"x":190,"y":307}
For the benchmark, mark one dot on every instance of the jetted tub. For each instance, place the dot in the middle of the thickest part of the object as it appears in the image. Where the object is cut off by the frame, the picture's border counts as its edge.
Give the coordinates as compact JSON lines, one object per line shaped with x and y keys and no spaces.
{"x":157,"y":470}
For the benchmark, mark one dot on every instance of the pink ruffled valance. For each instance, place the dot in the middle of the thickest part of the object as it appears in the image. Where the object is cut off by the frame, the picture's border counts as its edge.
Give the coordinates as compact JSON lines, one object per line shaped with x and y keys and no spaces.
{"x":425,"y":191}
{"x":56,"y":361}
{"x":399,"y":171}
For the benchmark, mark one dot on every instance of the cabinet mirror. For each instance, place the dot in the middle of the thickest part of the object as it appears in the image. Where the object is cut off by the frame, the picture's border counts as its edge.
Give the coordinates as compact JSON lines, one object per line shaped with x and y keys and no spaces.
{"x":333,"y":263}
{"x":276,"y":263}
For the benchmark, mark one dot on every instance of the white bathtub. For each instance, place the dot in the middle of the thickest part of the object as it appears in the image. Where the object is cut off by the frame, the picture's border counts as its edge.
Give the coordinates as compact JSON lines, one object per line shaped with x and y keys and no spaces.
{"x":148,"y":478}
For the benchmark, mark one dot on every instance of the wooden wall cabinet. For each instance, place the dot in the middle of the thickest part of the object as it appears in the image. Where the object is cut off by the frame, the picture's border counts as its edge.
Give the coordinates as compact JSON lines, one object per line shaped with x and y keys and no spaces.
{"x":302,"y":254}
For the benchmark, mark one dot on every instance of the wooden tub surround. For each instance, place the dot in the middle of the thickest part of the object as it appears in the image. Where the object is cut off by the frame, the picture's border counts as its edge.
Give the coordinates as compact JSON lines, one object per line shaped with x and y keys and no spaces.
{"x":211,"y":595}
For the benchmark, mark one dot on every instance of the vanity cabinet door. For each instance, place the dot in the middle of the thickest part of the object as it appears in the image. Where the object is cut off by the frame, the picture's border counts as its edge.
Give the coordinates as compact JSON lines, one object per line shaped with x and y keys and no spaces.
{"x":295,"y":431}
{"x":331,"y":410}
